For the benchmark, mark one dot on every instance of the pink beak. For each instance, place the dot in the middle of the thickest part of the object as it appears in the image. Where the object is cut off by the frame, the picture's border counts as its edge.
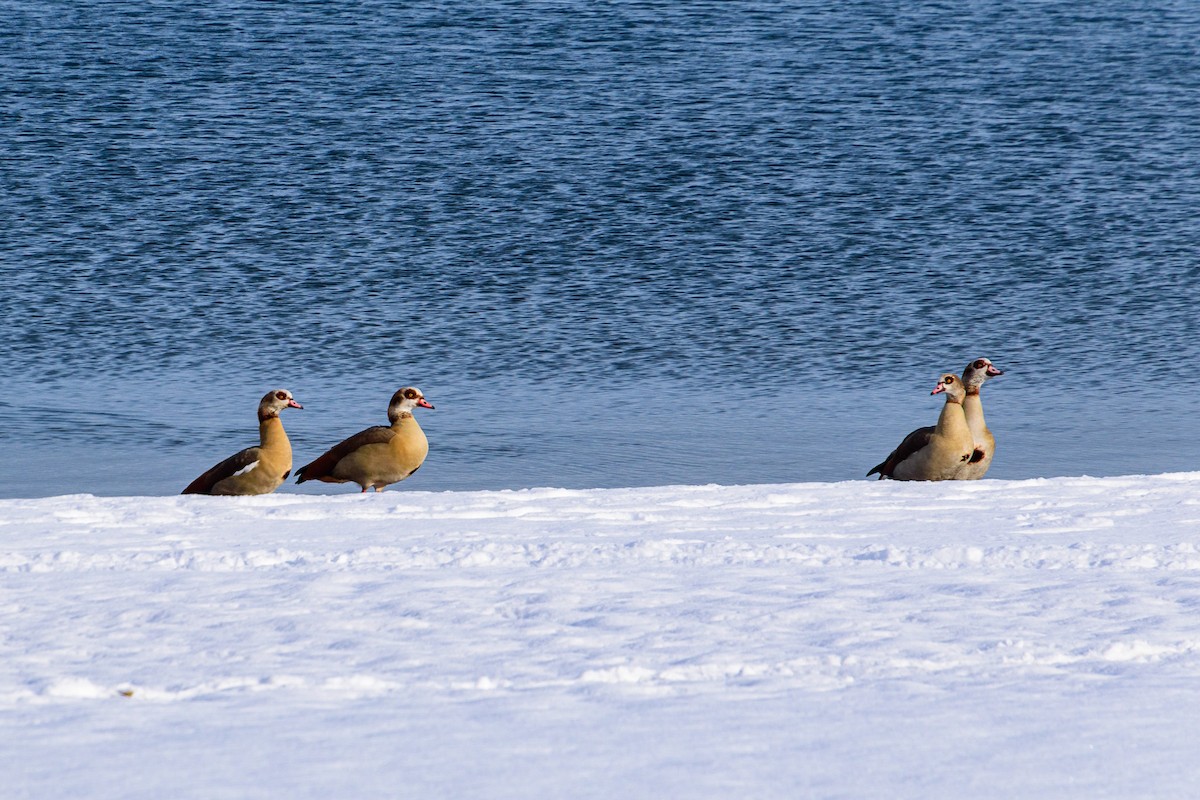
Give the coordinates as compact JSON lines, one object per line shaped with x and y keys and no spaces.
{"x":423,"y":403}
{"x":294,"y":404}
{"x":941,"y":387}
{"x":993,"y":372}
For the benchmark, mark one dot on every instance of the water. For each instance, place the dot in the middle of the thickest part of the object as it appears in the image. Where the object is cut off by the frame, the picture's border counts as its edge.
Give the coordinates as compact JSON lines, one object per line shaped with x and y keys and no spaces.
{"x":620,"y":244}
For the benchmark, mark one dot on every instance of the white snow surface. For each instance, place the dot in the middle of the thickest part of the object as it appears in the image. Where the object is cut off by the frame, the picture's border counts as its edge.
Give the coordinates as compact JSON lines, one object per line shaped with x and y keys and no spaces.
{"x":994,"y":639}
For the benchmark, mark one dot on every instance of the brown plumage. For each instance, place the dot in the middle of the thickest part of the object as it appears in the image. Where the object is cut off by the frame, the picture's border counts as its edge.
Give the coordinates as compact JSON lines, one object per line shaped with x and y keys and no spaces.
{"x":255,"y":470}
{"x":937,"y":453}
{"x":378,"y":456}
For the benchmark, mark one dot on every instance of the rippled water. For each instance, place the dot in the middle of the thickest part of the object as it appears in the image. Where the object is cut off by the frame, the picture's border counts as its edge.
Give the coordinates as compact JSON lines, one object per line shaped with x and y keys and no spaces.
{"x":629,"y":243}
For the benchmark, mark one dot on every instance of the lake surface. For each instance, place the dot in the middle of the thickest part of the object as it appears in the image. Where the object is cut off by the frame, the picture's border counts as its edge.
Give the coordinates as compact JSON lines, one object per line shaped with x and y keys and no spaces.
{"x":615,"y":244}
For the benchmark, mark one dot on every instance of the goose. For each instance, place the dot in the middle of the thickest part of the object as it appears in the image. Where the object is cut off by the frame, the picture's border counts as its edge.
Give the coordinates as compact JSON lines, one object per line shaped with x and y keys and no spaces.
{"x":973,"y":378}
{"x":937,"y":453}
{"x":255,"y":470}
{"x":378,"y":456}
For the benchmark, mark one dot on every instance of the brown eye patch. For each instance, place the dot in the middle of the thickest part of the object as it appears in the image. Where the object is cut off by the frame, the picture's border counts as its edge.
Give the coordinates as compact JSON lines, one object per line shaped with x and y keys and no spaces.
{"x":281,"y":395}
{"x":980,"y":364}
{"x":410,"y":394}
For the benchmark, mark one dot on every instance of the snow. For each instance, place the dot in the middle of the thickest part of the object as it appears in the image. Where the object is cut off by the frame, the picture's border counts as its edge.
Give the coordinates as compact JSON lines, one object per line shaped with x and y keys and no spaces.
{"x":992,"y":639}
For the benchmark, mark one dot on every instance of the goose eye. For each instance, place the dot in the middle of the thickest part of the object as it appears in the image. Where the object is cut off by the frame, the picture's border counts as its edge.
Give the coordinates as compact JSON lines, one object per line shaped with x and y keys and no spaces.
{"x":949,"y":379}
{"x":281,"y":395}
{"x":980,"y":364}
{"x":410,"y":394}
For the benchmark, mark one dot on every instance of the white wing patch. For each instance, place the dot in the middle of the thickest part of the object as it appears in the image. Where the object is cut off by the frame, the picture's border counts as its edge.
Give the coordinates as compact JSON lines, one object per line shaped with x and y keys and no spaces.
{"x":245,"y":469}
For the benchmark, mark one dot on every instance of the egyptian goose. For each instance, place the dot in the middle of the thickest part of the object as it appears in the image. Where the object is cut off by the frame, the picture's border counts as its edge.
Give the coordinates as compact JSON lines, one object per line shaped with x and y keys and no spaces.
{"x":377,"y":456}
{"x":973,"y":378}
{"x":937,"y":453}
{"x":255,"y":470}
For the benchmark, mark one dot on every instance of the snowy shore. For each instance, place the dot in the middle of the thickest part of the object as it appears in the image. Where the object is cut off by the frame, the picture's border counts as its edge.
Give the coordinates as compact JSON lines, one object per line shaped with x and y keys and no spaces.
{"x":998,"y":639}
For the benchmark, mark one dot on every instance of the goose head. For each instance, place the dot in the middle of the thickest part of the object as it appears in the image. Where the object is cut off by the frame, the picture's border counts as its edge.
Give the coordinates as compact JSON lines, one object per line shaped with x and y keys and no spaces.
{"x":952,"y":386}
{"x":979,"y":371}
{"x":404,"y":401}
{"x":275,"y":401}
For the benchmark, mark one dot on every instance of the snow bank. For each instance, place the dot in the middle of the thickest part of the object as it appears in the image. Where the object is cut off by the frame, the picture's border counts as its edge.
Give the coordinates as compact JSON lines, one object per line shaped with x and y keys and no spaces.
{"x":991,"y":639}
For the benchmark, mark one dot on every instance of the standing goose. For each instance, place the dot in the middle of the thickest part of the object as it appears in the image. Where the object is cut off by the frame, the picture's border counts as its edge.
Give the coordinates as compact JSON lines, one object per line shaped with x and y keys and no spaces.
{"x":937,"y":453}
{"x":380,"y":455}
{"x":255,"y":470}
{"x":973,"y":378}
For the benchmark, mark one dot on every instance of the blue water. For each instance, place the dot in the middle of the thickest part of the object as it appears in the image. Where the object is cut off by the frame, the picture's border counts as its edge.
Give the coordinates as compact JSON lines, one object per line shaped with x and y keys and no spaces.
{"x":616,"y":244}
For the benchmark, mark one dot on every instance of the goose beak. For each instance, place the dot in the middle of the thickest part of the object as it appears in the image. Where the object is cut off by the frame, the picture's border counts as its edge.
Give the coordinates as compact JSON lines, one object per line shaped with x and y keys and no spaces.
{"x":423,"y":403}
{"x":993,"y":372}
{"x":294,"y":404}
{"x":941,"y":387}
